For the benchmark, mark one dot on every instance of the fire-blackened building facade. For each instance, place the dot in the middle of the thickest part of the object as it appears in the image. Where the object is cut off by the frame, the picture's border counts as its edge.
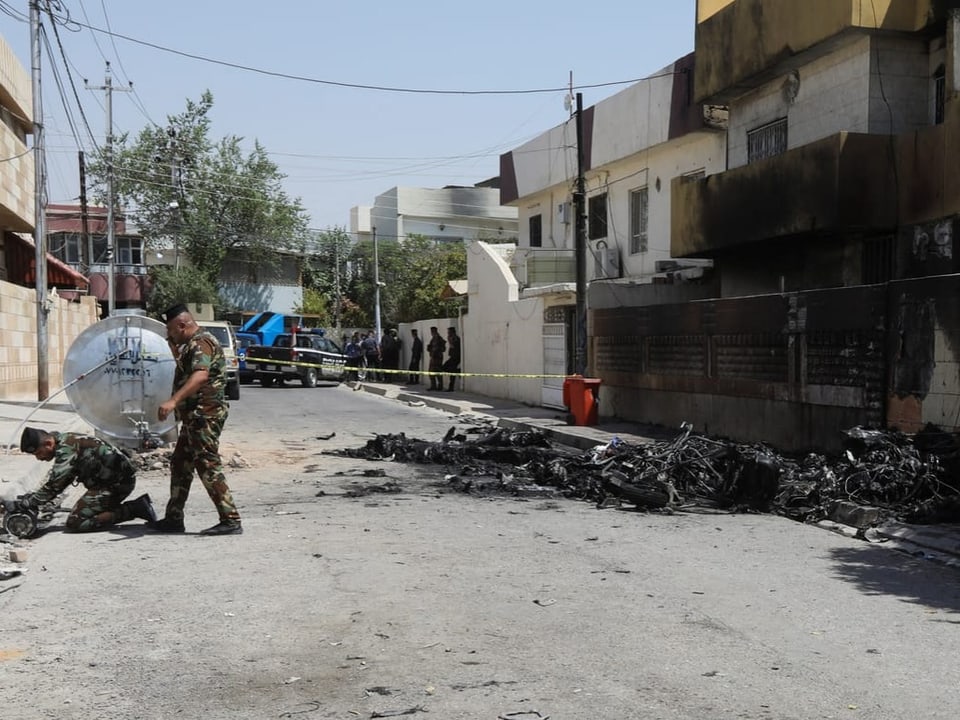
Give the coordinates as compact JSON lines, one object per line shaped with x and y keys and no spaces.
{"x":832,"y":231}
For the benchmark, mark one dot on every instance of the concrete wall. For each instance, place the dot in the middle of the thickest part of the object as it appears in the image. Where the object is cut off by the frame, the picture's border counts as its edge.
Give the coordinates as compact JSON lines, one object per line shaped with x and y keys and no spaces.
{"x":502,"y":332}
{"x":833,"y":95}
{"x":737,"y":42}
{"x":901,"y":85}
{"x":18,"y":338}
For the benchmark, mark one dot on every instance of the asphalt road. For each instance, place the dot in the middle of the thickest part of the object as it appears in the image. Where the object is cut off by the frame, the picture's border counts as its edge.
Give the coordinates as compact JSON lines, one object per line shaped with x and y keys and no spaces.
{"x":332,"y":605}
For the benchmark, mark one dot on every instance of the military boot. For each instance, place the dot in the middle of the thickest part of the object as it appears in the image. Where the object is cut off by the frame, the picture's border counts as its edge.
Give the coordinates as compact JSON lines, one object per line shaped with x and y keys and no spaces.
{"x":141,"y":508}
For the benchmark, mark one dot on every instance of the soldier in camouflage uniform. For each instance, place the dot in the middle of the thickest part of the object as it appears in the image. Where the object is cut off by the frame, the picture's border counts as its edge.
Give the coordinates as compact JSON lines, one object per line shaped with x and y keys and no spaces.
{"x":201,"y":407}
{"x":102,"y":469}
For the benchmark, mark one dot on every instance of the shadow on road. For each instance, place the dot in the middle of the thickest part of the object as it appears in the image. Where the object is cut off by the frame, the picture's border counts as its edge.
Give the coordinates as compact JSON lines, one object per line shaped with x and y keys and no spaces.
{"x":878,"y":571}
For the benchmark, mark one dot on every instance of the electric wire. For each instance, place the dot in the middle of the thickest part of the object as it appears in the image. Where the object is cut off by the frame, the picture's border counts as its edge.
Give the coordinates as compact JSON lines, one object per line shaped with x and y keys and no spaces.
{"x":355,"y":86}
{"x":66,"y":64}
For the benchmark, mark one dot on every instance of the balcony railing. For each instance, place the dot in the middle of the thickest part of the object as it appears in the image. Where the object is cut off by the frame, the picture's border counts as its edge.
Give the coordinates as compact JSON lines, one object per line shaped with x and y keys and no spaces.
{"x":534,"y":267}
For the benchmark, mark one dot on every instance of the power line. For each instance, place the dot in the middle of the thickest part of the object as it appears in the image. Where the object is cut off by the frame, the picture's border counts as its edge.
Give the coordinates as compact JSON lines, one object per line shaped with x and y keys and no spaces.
{"x":66,"y":65}
{"x":356,"y":86}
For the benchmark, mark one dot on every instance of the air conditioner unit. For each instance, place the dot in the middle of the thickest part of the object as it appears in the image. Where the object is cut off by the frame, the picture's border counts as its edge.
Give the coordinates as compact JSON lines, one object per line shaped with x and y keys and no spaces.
{"x":564,"y":213}
{"x":607,"y":264}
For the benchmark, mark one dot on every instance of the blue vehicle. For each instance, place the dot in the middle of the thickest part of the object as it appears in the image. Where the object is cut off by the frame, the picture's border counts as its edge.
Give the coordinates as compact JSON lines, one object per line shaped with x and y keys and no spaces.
{"x":262,"y":329}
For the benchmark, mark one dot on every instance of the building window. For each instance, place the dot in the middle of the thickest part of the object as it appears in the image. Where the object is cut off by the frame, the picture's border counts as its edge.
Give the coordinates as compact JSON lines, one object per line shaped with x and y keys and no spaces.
{"x":536,"y":231}
{"x":129,"y":251}
{"x":767,"y":140}
{"x":939,"y":94}
{"x":877,"y":260}
{"x":597,"y":214}
{"x":639,"y":220}
{"x":66,"y":247}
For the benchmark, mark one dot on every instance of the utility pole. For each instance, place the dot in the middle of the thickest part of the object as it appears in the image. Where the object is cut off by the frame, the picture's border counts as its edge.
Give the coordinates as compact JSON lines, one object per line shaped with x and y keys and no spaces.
{"x":336,"y":283}
{"x":580,"y":213}
{"x":175,"y":182}
{"x":39,"y":209}
{"x":376,"y":285}
{"x":87,"y":251}
{"x":108,"y":89}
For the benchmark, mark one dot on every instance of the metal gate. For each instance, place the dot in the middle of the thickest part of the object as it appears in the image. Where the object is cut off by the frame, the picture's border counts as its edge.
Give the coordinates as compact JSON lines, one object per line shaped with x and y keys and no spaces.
{"x":555,"y":355}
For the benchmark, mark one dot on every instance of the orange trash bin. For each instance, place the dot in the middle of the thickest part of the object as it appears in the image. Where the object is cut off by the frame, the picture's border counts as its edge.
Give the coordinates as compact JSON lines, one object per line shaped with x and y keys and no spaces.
{"x":580,"y":395}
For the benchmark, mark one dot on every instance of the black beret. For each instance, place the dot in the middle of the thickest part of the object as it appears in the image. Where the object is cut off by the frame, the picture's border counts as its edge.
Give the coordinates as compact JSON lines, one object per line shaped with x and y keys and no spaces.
{"x":173,"y":312}
{"x":30,"y":440}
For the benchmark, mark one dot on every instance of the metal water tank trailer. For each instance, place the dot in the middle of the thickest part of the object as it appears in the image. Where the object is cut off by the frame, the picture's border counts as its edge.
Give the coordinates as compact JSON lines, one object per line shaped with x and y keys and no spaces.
{"x":118,"y":372}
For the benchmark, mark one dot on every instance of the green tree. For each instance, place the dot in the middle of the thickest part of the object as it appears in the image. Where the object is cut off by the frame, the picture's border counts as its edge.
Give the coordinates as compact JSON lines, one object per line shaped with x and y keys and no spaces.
{"x":169,"y":287}
{"x":209,"y":197}
{"x":414,"y":273}
{"x":325,"y":270}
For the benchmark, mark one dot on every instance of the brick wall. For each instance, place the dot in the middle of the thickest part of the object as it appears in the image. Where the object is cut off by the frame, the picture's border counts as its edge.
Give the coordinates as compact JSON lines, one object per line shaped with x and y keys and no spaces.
{"x":18,"y":339}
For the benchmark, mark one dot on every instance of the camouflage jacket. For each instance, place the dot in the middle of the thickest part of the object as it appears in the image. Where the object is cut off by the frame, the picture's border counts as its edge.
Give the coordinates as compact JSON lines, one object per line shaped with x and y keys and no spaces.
{"x":202,"y":352}
{"x":86,"y":460}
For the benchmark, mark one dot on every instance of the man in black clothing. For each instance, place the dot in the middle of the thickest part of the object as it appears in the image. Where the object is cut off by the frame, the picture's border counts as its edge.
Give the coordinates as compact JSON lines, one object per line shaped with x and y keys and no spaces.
{"x":452,"y":365}
{"x":435,"y":350}
{"x":416,"y":357}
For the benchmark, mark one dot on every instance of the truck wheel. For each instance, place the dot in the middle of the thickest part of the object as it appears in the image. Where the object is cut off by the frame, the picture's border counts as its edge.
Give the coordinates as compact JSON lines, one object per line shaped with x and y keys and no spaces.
{"x":267,"y":380}
{"x":309,"y":377}
{"x":233,"y":390}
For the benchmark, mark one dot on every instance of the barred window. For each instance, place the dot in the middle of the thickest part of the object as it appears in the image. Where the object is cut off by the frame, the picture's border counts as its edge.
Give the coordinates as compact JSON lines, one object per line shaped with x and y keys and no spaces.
{"x":639,"y":220}
{"x":767,"y":140}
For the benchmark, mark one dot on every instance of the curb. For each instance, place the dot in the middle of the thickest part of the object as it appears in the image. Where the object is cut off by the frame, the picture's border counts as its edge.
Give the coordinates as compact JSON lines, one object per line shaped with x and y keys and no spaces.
{"x":556,"y":434}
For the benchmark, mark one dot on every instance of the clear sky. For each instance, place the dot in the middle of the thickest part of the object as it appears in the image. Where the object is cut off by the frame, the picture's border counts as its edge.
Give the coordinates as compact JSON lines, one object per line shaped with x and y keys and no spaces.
{"x":342,"y":146}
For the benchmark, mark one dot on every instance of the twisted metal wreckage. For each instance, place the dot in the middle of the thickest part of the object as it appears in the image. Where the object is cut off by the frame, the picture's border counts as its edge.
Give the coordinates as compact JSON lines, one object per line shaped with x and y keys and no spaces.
{"x":908,"y":479}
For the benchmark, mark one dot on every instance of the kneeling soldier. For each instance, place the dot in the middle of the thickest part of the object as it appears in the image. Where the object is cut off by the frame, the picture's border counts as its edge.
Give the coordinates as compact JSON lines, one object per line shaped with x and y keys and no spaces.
{"x":106,"y":473}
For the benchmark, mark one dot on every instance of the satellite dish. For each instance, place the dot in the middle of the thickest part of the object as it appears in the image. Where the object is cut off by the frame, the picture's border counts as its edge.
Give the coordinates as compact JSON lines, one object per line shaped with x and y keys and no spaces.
{"x":119,"y":371}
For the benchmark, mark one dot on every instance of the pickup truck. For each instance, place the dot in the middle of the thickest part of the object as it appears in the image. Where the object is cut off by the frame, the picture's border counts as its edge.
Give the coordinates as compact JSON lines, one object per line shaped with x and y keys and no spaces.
{"x":307,"y":356}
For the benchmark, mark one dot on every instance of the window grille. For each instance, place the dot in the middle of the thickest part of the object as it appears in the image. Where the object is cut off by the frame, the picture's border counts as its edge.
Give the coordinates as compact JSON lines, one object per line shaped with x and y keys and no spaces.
{"x":639,"y":220}
{"x":767,"y":140}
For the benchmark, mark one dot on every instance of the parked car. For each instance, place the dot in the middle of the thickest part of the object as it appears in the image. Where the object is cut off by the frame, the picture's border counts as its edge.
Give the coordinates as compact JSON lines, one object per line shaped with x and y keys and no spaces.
{"x":223,"y":332}
{"x":246,"y":374}
{"x":306,"y":355}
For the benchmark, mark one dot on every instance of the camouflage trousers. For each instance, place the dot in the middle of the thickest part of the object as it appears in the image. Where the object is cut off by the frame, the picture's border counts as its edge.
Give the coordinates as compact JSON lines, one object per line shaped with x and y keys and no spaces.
{"x":198,"y":449}
{"x":101,"y":507}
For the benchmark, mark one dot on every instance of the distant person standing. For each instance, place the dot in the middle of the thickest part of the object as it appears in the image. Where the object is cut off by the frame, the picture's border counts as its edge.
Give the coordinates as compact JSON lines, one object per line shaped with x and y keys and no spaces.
{"x":353,"y":351}
{"x":452,"y":365}
{"x":435,"y":349}
{"x":201,"y":407}
{"x":416,"y":358}
{"x":390,"y":354}
{"x":371,"y":352}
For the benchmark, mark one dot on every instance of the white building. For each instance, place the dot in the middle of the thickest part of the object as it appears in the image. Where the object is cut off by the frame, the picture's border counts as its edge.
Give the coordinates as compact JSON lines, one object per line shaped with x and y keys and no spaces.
{"x":634,"y":144}
{"x":451,"y":213}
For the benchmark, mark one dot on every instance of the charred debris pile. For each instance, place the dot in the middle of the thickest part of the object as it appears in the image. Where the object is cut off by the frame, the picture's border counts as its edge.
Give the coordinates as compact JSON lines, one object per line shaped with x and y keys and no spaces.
{"x":913,"y":479}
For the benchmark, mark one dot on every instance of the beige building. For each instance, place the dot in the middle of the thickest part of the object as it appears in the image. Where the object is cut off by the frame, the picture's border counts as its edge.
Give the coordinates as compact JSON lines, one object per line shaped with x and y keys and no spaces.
{"x":70,"y":311}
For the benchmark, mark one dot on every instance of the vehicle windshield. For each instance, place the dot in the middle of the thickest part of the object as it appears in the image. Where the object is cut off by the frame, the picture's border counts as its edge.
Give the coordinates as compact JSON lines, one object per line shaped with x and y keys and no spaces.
{"x":221,"y":333}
